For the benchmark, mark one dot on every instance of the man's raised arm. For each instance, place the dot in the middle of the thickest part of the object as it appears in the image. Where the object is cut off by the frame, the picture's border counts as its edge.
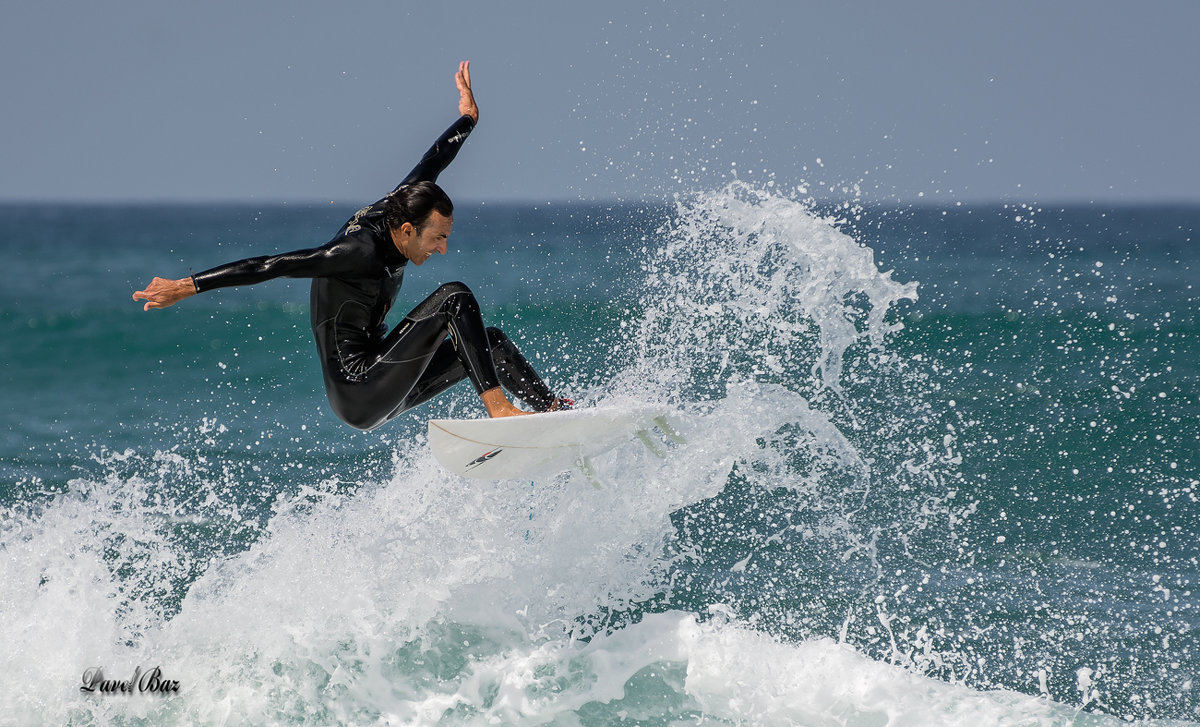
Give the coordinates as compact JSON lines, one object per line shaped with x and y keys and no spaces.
{"x":446,"y":147}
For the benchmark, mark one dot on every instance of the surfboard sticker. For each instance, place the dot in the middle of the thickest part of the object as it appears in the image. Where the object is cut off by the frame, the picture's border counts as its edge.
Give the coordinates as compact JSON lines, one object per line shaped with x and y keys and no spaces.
{"x":485,"y":457}
{"x":543,"y":444}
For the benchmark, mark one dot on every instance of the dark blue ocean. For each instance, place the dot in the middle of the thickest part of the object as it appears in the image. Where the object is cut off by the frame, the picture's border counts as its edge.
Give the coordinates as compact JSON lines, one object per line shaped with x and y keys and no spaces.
{"x":942,"y":467}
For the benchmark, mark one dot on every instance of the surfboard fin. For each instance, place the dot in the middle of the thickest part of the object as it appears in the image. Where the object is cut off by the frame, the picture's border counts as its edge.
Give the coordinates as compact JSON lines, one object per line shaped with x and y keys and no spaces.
{"x":644,"y":435}
{"x":585,"y":467}
{"x":673,"y":435}
{"x":668,"y":432}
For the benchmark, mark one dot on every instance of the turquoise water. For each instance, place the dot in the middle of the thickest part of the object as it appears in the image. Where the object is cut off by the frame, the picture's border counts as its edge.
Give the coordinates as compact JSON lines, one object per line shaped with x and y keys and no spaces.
{"x":942,"y":467}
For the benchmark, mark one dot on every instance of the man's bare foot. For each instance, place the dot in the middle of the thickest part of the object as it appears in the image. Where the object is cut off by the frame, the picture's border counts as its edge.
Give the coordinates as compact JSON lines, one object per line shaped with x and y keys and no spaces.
{"x":498,"y":405}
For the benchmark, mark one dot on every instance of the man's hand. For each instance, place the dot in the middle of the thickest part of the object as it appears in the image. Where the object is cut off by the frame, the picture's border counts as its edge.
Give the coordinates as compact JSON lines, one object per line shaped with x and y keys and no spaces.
{"x":466,"y":99}
{"x":162,"y":292}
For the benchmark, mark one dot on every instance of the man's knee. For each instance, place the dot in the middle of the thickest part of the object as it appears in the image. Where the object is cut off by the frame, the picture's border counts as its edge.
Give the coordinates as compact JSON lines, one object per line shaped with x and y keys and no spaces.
{"x":453,"y":297}
{"x":447,"y":290}
{"x":446,"y":298}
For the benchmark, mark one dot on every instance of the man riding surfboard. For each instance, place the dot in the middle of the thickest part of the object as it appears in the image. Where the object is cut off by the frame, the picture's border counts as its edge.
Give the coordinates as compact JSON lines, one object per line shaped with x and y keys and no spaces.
{"x":372,"y":375}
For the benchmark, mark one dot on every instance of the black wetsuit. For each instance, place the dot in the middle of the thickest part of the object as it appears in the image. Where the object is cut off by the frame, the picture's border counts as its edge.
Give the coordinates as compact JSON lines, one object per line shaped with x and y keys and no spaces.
{"x":371,"y":375}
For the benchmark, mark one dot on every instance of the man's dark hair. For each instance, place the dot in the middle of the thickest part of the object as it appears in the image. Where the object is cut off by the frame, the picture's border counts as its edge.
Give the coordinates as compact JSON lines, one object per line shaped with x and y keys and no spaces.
{"x":414,"y":203}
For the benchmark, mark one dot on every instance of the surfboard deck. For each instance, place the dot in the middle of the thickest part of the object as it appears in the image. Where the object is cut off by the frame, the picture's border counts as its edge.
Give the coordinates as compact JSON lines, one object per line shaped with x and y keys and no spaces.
{"x":541,"y":444}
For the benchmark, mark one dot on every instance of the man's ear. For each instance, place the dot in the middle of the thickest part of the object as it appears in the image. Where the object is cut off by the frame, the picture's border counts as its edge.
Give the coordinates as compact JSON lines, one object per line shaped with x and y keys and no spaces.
{"x":402,"y":235}
{"x":405,"y":233}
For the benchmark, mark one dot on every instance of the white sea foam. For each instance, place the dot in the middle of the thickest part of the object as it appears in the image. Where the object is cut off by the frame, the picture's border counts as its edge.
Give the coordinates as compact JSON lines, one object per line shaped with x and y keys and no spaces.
{"x":421,"y":600}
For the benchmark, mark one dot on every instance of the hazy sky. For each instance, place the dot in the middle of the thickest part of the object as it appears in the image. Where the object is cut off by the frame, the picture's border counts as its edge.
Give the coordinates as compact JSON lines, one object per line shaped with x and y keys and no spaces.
{"x":261,"y":101}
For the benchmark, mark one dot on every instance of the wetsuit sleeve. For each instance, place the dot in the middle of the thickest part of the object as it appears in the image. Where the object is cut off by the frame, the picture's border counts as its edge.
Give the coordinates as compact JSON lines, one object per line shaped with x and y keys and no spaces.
{"x":441,"y":153}
{"x":344,"y":257}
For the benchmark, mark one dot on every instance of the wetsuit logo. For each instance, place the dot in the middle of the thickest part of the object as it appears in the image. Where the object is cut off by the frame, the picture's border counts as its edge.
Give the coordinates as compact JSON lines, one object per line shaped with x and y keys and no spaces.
{"x":483,"y":458}
{"x":355,"y":223}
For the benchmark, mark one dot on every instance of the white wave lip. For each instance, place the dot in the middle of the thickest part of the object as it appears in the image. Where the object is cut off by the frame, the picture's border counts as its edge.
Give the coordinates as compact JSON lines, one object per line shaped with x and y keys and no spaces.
{"x":748,"y":271}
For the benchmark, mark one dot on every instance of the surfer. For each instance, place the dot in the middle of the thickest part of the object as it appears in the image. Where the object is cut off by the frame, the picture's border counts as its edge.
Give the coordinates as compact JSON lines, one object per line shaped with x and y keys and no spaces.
{"x":372,"y":375}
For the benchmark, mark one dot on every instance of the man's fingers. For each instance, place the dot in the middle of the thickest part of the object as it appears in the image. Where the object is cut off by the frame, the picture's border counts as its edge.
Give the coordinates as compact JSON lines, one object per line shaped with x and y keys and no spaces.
{"x":466,"y":99}
{"x":145,"y":295}
{"x":464,"y":76}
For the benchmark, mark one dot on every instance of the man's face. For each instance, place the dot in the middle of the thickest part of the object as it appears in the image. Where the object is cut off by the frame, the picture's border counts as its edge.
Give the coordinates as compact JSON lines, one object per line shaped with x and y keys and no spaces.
{"x":419,"y":246}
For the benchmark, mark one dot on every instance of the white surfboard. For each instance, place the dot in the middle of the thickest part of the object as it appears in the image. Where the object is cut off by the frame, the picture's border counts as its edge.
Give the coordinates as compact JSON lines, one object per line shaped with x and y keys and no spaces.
{"x":543,"y":444}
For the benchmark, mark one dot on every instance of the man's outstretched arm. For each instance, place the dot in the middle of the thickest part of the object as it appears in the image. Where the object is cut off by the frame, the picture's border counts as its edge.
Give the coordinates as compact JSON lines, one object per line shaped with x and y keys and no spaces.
{"x":339,"y":257}
{"x":446,"y":147}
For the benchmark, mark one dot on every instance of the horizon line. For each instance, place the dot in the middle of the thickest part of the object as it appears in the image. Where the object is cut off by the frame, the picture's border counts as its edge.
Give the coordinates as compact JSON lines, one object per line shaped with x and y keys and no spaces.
{"x":923,"y":201}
